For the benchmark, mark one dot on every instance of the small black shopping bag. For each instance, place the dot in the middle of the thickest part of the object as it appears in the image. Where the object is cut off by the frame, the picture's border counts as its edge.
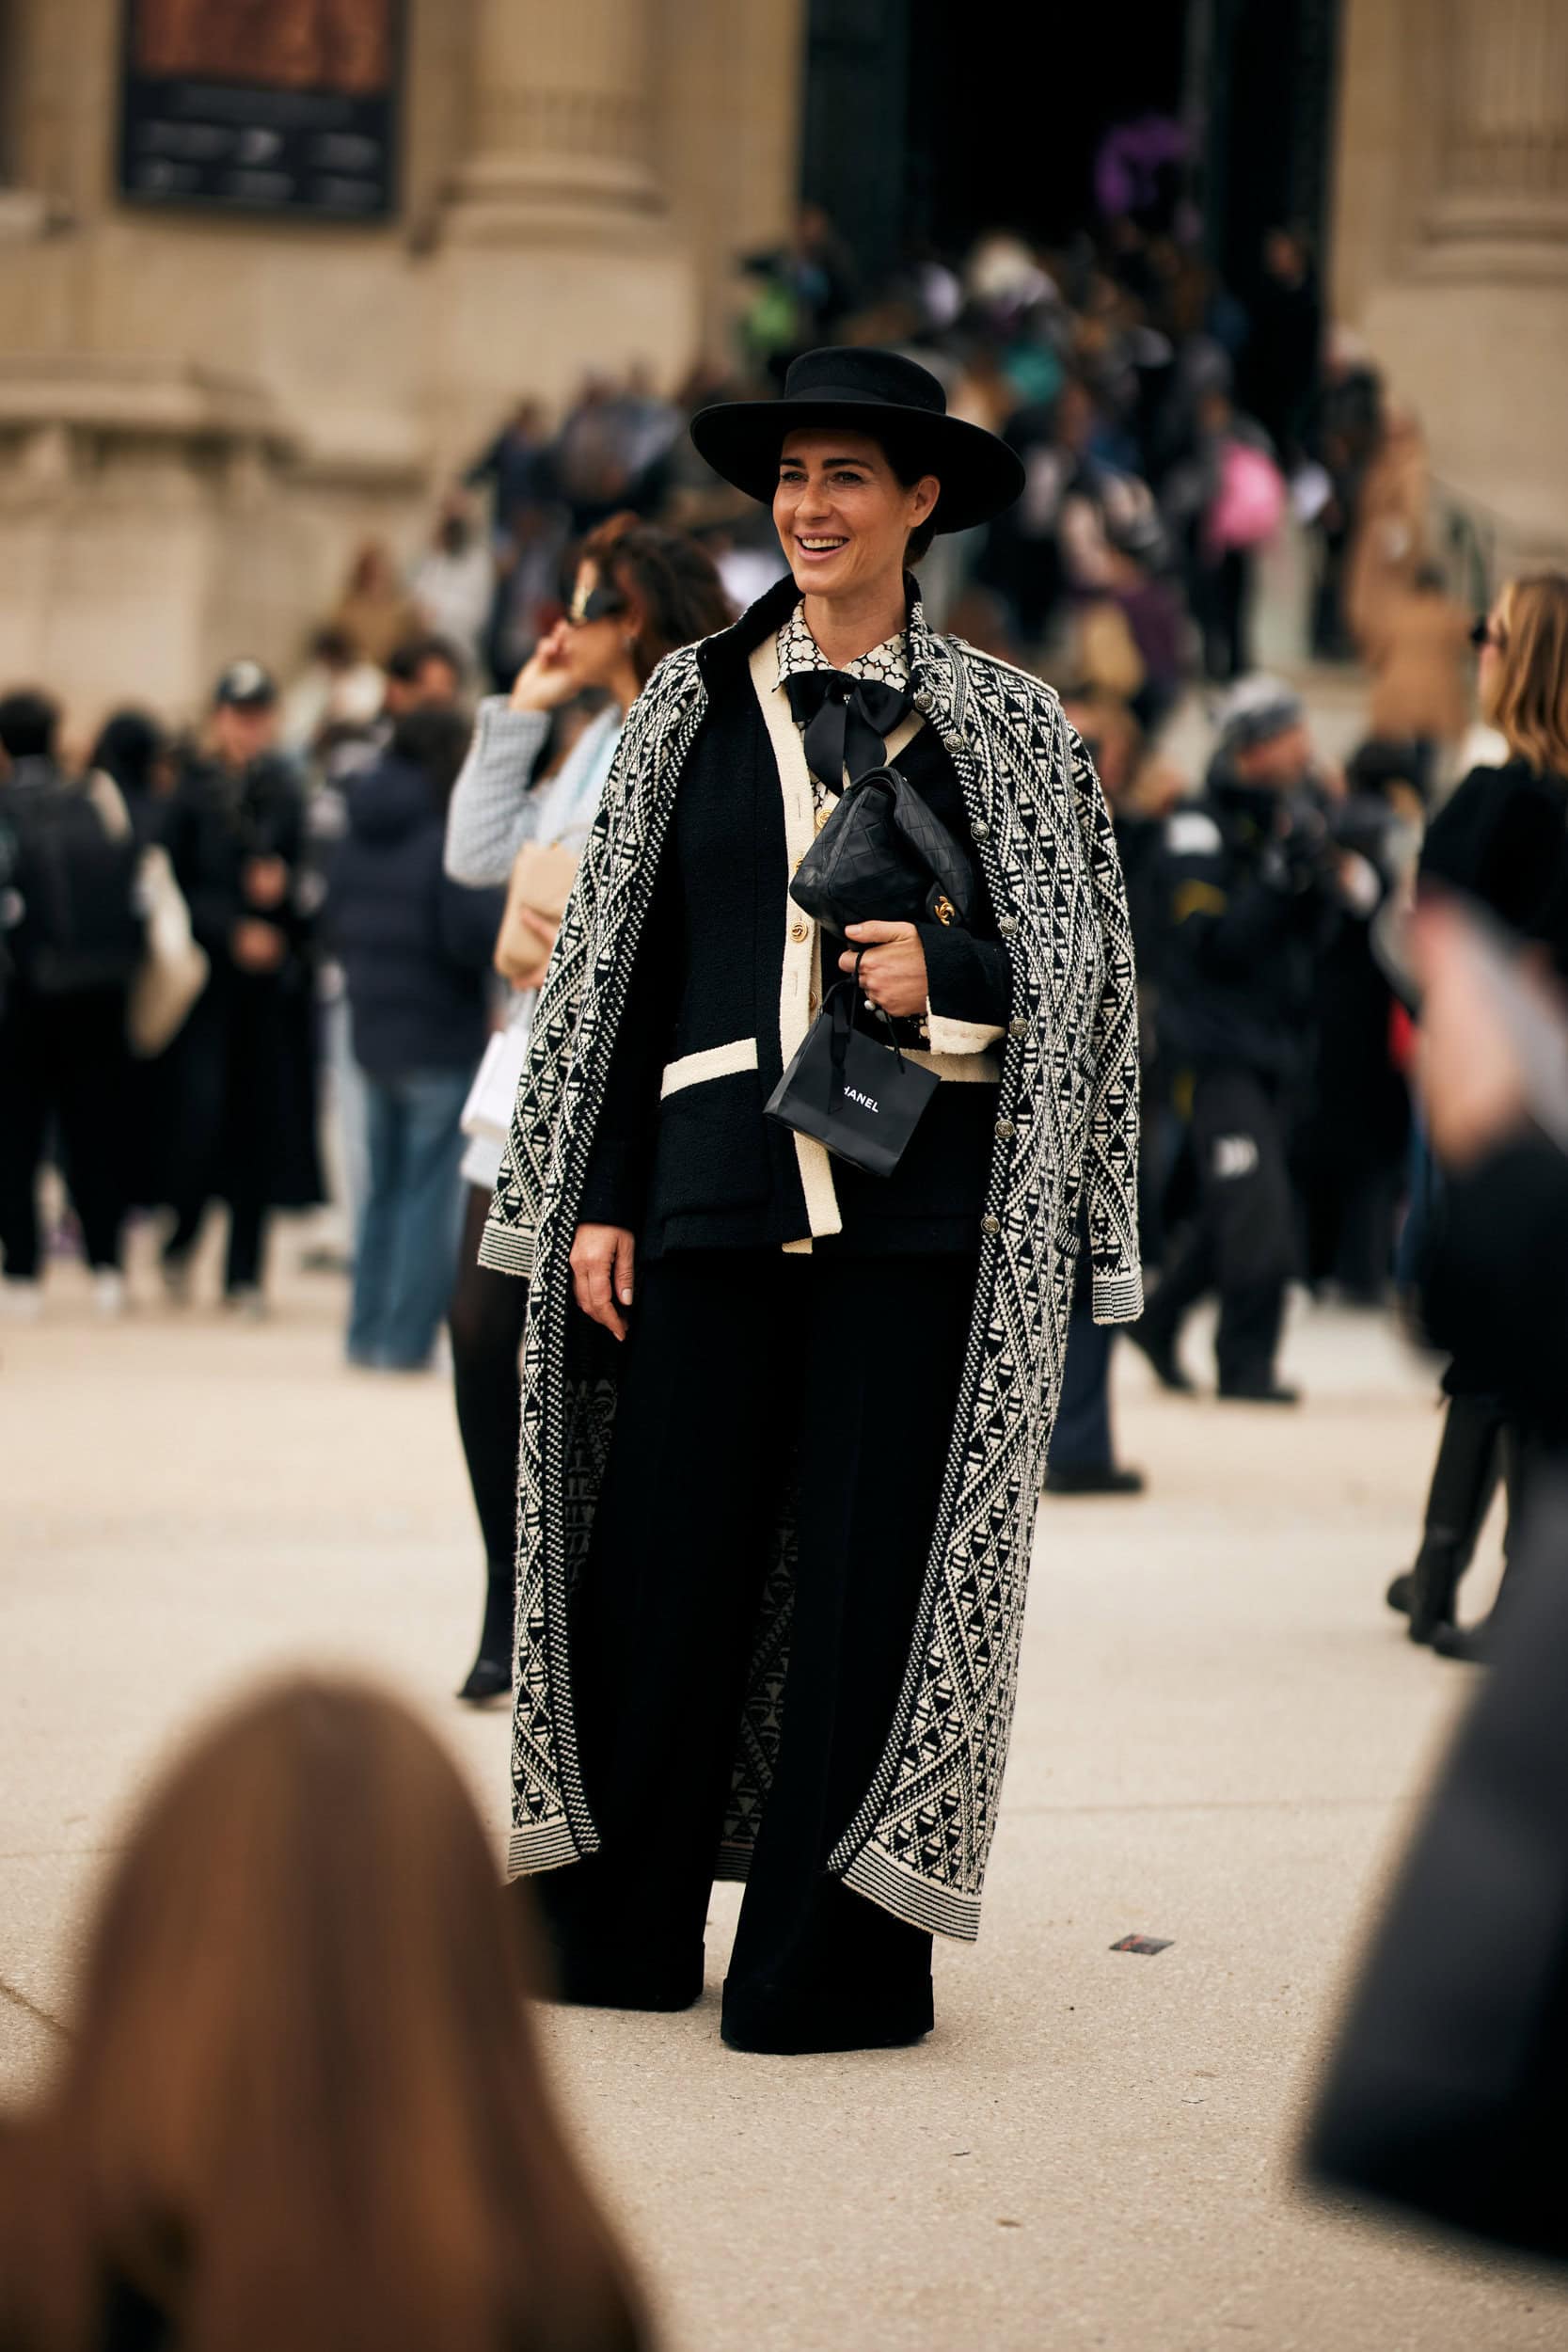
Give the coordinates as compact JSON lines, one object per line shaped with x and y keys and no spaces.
{"x":862,"y":1099}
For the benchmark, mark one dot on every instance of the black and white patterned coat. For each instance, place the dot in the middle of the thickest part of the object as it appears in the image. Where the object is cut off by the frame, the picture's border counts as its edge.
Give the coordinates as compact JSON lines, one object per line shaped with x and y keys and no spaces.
{"x":1066,"y":1137}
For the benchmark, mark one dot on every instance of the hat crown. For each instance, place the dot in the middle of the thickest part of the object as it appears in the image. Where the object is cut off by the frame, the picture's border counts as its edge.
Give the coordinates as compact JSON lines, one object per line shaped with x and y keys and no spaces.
{"x":884,"y":378}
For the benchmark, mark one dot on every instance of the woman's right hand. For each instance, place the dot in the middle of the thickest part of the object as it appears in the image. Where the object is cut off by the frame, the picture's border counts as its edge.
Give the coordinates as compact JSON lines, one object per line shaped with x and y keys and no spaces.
{"x":546,"y":680}
{"x":602,"y":1260}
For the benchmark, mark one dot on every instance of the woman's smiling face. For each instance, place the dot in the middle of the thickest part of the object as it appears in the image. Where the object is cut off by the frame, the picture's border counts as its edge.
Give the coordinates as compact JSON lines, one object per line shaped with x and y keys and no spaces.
{"x":843,"y":516}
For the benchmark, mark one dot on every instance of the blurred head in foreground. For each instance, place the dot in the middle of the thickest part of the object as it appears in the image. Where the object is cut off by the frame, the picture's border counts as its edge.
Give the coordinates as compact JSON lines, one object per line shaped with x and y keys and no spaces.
{"x":304,"y":2105}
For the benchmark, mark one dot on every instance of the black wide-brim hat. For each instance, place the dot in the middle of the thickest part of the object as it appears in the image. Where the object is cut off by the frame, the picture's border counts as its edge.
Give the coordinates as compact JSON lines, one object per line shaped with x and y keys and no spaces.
{"x":869,"y":391}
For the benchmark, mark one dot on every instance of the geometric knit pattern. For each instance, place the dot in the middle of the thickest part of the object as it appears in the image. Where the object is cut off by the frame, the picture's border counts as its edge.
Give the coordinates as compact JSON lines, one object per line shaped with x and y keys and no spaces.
{"x":1066,"y":1135}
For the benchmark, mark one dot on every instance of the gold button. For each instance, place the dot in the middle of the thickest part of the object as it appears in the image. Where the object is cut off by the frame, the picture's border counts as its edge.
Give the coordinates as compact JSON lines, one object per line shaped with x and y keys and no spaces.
{"x":798,"y":931}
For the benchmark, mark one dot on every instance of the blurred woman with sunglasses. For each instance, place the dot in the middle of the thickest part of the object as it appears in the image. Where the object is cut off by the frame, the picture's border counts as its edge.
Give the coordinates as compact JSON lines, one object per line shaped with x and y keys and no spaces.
{"x":1500,"y":842}
{"x":639,"y":592}
{"x":1502,"y":838}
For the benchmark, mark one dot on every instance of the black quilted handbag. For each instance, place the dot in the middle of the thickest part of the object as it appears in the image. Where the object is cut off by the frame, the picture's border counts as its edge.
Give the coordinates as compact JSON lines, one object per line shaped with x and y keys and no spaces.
{"x":883,"y":857}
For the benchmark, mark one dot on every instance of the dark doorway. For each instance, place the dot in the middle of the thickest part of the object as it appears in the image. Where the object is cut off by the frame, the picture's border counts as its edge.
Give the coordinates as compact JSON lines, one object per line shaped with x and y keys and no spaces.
{"x":930,"y":120}
{"x":1008,"y":107}
{"x":1267,"y":70}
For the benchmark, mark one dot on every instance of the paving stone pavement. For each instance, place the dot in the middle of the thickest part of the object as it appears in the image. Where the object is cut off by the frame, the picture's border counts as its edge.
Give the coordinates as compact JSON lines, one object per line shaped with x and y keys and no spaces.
{"x":1221,"y":1741}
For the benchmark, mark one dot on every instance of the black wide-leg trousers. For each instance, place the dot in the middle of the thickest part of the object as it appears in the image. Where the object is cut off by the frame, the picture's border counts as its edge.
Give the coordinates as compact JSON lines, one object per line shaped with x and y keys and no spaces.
{"x":737,"y":1364}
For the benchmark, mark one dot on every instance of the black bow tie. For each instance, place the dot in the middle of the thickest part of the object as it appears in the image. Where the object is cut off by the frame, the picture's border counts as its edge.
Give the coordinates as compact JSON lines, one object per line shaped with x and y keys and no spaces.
{"x":846,"y":719}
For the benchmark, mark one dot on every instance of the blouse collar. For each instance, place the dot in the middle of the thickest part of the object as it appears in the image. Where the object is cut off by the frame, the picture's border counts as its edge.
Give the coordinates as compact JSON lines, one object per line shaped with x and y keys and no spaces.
{"x":889,"y":662}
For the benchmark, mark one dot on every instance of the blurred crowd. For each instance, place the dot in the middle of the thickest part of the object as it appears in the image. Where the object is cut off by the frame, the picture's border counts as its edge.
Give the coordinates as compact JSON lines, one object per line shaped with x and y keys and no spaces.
{"x":241,"y":971}
{"x":310,"y":928}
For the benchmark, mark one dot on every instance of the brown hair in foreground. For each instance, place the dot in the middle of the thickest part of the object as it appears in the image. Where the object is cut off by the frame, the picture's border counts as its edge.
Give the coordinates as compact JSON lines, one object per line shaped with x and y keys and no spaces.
{"x":1529,"y":699}
{"x":303,"y":2105}
{"x":674,"y":579}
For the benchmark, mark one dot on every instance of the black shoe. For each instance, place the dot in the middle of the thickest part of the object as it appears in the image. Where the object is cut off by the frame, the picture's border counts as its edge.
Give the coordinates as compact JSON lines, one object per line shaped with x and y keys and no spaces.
{"x":1412,"y":1597}
{"x":576,"y":1991}
{"x":1162,"y":1358}
{"x":804,"y":2029}
{"x":491,"y":1672}
{"x":1257,"y":1392}
{"x":1093,"y":1478}
{"x":1472,"y":1644}
{"x":579,"y":1982}
{"x":488,"y":1678}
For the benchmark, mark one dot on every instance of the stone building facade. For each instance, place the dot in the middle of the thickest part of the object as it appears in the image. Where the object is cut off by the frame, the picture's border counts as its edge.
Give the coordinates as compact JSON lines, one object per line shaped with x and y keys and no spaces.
{"x":200,"y":416}
{"x":1450,"y":243}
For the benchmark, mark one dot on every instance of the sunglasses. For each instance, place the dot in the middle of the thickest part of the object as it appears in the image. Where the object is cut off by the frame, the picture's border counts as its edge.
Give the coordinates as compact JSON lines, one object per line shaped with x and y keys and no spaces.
{"x":1483,"y":633}
{"x":602,"y":603}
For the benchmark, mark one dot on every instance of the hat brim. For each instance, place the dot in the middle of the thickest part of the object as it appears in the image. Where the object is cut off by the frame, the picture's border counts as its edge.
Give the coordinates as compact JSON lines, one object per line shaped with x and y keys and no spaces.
{"x":980,"y":475}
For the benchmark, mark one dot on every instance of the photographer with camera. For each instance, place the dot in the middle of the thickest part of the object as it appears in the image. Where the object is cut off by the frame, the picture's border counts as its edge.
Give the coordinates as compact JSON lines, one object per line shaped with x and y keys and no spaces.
{"x":1254,"y":880}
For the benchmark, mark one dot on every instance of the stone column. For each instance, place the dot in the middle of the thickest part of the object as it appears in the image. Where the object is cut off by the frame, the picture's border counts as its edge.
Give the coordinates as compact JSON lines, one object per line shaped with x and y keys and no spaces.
{"x":1501,"y":199}
{"x":562,"y":129}
{"x":1453,"y":249}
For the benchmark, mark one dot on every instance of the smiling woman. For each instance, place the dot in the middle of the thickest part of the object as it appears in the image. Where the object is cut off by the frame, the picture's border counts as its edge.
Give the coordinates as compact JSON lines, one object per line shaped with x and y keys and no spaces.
{"x":848,"y":520}
{"x":784,"y":1422}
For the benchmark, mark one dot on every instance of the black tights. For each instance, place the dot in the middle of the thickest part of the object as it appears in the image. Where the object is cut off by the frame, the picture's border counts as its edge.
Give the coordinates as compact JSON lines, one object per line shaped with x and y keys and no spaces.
{"x":486,"y":1322}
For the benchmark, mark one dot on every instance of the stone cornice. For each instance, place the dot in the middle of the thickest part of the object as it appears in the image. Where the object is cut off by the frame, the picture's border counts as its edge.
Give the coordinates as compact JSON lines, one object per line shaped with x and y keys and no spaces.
{"x":194,"y":407}
{"x":148,"y":399}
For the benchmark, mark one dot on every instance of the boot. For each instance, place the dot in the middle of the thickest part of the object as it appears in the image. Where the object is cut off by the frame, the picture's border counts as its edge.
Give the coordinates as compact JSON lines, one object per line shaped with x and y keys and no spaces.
{"x":1464,"y":1481}
{"x":491,"y":1673}
{"x":1469,"y":1644}
{"x":1475,"y":1644}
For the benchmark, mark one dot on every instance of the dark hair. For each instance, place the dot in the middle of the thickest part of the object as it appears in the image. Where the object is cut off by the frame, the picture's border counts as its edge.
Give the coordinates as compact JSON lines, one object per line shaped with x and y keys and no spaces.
{"x":129,"y":743}
{"x":436,"y":740}
{"x":407,"y":660}
{"x":909,"y":456}
{"x":675,"y":580}
{"x":29,"y":722}
{"x":1527,"y":698}
{"x":333,"y":644}
{"x":304,"y":2102}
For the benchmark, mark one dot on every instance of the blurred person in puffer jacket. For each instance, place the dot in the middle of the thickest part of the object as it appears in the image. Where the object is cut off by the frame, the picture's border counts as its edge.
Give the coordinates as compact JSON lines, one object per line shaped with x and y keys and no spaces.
{"x":415,"y":949}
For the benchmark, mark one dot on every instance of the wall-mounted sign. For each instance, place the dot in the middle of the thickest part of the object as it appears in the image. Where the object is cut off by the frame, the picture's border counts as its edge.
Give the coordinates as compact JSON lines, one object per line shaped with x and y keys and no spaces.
{"x":261,"y":105}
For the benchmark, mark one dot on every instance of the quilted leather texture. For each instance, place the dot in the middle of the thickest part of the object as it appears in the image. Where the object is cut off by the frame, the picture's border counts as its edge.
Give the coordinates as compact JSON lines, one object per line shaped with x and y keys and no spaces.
{"x":881,"y":858}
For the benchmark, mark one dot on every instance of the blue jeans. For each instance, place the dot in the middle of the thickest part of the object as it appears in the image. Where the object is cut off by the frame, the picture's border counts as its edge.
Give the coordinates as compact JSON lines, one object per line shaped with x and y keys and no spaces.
{"x":406,"y":1257}
{"x":1081,"y":1438}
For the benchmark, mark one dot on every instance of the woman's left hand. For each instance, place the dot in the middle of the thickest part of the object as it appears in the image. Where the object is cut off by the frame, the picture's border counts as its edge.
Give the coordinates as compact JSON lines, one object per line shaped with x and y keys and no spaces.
{"x":892,"y":975}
